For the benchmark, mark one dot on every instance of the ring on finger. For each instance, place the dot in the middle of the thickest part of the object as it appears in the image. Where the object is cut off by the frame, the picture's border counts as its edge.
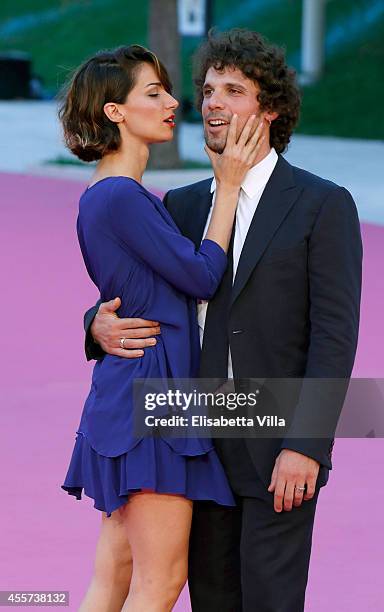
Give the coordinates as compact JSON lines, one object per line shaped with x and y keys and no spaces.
{"x":122,"y":340}
{"x":300,"y":489}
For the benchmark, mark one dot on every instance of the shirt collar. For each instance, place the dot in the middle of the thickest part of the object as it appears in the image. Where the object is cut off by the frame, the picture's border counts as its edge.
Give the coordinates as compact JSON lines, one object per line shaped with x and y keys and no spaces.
{"x":257,"y":176}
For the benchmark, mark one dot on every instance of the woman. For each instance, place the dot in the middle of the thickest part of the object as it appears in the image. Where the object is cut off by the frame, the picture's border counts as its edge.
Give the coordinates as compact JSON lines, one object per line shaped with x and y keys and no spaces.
{"x":117,"y":104}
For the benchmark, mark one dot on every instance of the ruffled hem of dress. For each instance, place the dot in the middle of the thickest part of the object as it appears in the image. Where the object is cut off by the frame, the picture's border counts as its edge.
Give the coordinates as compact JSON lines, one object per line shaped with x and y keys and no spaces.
{"x":150,"y":465}
{"x":186,"y":445}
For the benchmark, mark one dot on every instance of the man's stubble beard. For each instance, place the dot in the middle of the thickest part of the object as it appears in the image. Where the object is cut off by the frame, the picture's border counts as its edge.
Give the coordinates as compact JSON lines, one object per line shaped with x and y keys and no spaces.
{"x":216,"y":144}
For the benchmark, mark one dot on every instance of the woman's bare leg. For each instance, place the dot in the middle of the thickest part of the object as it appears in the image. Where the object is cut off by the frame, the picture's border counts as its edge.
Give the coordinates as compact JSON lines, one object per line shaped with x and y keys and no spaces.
{"x":113,"y":567}
{"x":158,"y":528}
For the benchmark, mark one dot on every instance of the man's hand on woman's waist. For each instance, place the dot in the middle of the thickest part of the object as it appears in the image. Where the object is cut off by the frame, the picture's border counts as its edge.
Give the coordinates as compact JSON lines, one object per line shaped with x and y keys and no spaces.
{"x":122,"y":337}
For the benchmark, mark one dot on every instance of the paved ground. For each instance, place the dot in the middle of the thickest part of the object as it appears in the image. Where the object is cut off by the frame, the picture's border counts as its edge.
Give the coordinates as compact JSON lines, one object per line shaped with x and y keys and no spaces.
{"x":31,"y":137}
{"x":48,"y":538}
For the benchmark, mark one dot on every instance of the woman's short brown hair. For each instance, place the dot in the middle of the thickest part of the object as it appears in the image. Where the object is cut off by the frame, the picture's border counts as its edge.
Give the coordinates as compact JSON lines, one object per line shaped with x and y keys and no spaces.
{"x":261,"y":62}
{"x":108,"y":76}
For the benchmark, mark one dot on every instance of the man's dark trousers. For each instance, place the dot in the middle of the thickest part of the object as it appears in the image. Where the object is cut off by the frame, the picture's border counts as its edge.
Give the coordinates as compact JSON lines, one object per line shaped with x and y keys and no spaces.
{"x":251,"y":558}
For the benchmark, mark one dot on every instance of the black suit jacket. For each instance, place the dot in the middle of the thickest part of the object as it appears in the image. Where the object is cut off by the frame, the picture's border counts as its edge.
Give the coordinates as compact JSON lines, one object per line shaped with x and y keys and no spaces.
{"x":296,"y":295}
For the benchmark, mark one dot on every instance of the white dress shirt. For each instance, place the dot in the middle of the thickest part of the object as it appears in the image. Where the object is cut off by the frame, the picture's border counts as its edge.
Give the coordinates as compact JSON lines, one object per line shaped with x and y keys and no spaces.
{"x":251,"y":191}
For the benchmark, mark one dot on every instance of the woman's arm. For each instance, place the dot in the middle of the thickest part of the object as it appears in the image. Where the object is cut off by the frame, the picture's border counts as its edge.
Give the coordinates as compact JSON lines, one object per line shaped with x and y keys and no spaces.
{"x":146,"y":234}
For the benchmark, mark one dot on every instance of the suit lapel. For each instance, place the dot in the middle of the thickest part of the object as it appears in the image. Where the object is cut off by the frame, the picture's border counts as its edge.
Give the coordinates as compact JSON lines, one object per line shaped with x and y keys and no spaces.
{"x":199,"y":204}
{"x":276,"y":201}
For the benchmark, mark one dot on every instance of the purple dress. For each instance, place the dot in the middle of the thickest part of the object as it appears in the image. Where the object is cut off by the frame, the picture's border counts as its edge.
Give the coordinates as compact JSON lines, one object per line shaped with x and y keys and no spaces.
{"x":133,"y":249}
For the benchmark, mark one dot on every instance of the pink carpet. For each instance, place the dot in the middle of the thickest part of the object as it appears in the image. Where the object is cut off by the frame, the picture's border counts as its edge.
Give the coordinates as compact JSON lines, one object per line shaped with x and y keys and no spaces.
{"x":48,"y":538}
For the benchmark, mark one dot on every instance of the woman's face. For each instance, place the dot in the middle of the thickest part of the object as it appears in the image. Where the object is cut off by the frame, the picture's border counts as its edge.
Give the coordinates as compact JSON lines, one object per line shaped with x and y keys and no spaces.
{"x":149,"y":110}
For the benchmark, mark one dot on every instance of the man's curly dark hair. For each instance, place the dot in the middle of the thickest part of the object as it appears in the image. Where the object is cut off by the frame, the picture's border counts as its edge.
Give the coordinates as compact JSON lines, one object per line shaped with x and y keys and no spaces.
{"x":261,"y":62}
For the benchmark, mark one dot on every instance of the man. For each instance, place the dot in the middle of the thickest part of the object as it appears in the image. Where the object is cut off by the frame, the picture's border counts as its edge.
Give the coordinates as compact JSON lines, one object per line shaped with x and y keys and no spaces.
{"x":288,"y":306}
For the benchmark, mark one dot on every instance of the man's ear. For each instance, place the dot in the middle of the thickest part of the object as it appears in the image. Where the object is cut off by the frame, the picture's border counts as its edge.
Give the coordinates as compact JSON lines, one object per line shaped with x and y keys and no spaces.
{"x":111,"y":109}
{"x":271,"y":116}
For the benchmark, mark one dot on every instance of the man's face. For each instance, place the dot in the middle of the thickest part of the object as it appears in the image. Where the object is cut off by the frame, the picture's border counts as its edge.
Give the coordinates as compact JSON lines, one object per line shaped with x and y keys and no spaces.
{"x":224,"y":94}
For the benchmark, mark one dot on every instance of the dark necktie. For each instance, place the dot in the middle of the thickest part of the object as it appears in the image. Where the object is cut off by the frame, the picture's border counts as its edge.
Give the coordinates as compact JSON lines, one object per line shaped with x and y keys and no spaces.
{"x":214,"y":354}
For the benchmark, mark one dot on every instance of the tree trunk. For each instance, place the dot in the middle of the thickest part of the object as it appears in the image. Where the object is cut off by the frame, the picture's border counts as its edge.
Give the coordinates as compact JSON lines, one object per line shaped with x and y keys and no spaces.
{"x":165,"y":42}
